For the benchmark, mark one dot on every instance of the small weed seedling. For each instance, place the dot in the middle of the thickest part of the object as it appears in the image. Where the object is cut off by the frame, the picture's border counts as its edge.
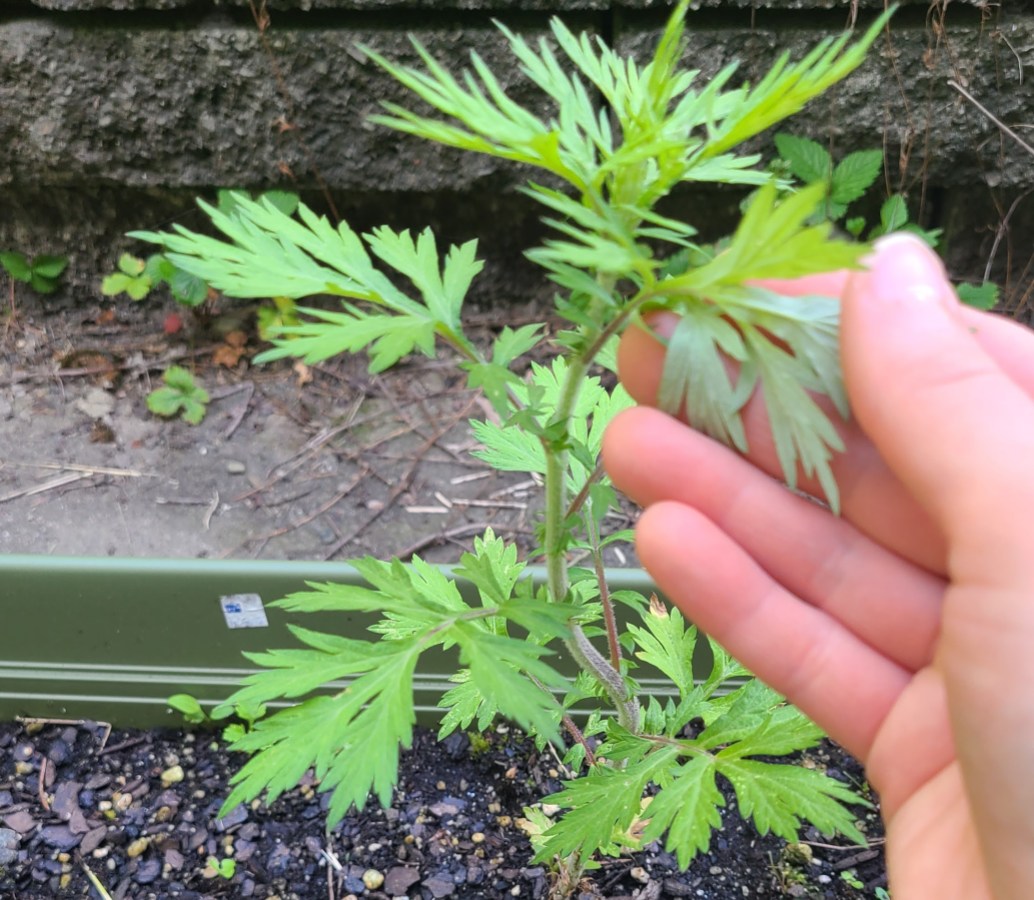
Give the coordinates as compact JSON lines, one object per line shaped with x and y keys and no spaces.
{"x":181,"y":395}
{"x":194,"y":713}
{"x":224,"y":868}
{"x":642,"y":775}
{"x":851,"y":879}
{"x":41,"y":273}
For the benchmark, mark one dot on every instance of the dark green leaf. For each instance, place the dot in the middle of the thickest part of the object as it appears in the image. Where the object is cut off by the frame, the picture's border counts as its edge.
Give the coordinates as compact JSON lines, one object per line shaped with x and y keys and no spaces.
{"x":808,"y":160}
{"x":854,"y":175}
{"x":981,"y":296}
{"x":49,"y":267}
{"x":187,"y":289}
{"x":17,"y":266}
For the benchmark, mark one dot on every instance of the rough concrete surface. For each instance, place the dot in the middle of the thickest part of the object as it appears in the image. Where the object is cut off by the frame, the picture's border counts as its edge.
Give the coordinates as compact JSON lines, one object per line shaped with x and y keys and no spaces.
{"x":197,"y":108}
{"x":332,"y":463}
{"x":115,"y":120}
{"x":201,"y":107}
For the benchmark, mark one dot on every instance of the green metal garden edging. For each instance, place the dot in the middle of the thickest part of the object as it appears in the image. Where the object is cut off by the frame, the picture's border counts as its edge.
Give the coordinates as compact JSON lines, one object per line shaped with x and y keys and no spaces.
{"x":112,"y":639}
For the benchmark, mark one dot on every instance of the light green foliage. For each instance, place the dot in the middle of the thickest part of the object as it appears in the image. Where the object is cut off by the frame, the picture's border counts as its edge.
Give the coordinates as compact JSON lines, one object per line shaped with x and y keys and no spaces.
{"x":850,"y":877}
{"x":224,"y":868}
{"x":612,"y":257}
{"x":418,"y":608}
{"x":137,"y":277}
{"x":132,"y":278}
{"x":751,"y":721}
{"x":188,"y":706}
{"x":181,"y":395}
{"x":41,"y":273}
{"x":194,"y":714}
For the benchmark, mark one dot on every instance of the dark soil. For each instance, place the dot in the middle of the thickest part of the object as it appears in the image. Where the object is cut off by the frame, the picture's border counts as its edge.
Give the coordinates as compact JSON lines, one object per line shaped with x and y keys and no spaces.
{"x":139,"y":810}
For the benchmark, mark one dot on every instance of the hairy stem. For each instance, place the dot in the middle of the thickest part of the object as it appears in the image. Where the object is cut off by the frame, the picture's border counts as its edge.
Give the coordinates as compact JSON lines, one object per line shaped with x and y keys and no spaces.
{"x":608,"y":605}
{"x":590,"y":659}
{"x":608,"y":673}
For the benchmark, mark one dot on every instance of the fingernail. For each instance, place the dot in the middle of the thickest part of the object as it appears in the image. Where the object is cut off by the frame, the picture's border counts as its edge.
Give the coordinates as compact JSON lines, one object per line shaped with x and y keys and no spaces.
{"x":905,"y":269}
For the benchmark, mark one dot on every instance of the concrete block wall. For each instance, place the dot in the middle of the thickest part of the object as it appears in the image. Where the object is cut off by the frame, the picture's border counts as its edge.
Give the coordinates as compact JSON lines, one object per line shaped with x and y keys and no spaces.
{"x":115,"y":114}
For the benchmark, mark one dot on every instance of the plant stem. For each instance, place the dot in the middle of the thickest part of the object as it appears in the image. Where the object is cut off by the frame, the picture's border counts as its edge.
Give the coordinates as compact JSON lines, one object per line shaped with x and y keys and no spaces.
{"x":556,"y":478}
{"x":579,"y":646}
{"x":592,"y":661}
{"x":608,"y":606}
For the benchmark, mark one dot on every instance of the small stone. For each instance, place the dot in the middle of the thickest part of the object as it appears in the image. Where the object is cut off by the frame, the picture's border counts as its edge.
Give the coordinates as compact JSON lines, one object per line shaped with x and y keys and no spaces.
{"x":235,"y":467}
{"x":20,"y":821}
{"x":8,"y":846}
{"x":22,"y":768}
{"x":148,"y":871}
{"x":236,"y":816}
{"x":372,"y":879}
{"x":59,"y":752}
{"x":92,"y":840}
{"x":138,"y":847}
{"x":60,"y":837}
{"x":121,"y":802}
{"x":172,"y":775}
{"x":439,"y":886}
{"x":354,"y":884}
{"x":399,"y":880}
{"x":66,"y":799}
{"x":639,"y":874}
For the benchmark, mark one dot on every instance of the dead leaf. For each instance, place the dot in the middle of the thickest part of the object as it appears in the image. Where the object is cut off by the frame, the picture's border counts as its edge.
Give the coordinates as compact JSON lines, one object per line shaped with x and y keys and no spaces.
{"x":100,"y":366}
{"x":227,"y":355}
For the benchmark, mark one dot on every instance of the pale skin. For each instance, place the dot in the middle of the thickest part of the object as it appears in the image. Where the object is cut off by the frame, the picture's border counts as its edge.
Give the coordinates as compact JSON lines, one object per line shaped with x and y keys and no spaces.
{"x":905,"y":628}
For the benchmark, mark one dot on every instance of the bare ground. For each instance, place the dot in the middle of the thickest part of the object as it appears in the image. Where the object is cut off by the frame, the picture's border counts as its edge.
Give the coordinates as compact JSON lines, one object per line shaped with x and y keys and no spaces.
{"x":325,"y":462}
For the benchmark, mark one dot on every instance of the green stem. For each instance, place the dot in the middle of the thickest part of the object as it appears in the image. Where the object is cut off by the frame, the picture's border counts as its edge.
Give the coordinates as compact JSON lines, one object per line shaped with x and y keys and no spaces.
{"x":578,"y":645}
{"x":592,"y":661}
{"x":556,"y":479}
{"x":607,"y":604}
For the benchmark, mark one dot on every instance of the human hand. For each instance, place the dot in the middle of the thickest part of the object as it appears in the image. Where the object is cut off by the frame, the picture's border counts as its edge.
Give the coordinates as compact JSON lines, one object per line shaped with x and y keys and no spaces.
{"x":906,"y":627}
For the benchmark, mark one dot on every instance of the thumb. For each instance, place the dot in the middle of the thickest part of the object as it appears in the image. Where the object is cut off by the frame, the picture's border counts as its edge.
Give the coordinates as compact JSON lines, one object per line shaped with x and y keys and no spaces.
{"x":954,"y":428}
